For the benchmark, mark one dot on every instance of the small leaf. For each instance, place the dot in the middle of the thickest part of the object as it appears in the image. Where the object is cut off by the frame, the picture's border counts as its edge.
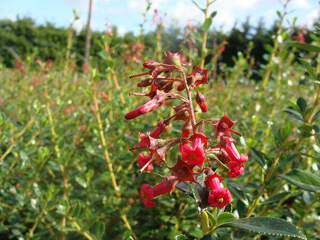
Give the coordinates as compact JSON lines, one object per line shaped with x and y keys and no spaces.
{"x":213,"y":14}
{"x":225,"y":217}
{"x":302,"y":104}
{"x":304,"y":180}
{"x":267,"y":226}
{"x":259,"y":157}
{"x":294,"y":114}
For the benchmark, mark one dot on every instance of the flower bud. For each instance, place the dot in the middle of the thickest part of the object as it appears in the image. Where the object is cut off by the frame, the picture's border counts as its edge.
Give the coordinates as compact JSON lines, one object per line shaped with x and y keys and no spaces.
{"x":201,"y":100}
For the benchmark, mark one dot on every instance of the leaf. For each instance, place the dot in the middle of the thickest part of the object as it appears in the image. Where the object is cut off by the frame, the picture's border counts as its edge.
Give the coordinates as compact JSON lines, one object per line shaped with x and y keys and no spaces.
{"x":259,"y":157}
{"x":267,"y":226}
{"x":302,"y":104}
{"x":207,"y":23}
{"x":225,"y":217}
{"x":213,"y":14}
{"x":304,"y":180}
{"x":294,"y":114}
{"x":304,"y":46}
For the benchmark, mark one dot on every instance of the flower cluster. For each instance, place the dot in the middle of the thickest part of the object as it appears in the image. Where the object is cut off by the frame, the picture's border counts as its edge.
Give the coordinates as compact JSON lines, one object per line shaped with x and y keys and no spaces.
{"x":199,"y":161}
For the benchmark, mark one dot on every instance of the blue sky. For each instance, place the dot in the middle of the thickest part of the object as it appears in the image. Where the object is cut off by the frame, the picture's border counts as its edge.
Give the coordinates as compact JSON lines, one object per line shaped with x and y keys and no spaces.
{"x":127,"y":14}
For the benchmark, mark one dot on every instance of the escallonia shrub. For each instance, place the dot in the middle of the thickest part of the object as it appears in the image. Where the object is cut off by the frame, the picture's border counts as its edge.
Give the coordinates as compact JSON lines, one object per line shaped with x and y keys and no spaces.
{"x":203,"y":160}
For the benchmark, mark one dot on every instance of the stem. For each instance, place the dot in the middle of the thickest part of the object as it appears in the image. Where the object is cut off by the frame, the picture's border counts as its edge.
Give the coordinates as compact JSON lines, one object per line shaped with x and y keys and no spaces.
{"x":107,"y":157}
{"x":267,"y":177}
{"x":205,"y":36}
{"x":14,"y":139}
{"x":189,"y":95}
{"x":58,"y":155}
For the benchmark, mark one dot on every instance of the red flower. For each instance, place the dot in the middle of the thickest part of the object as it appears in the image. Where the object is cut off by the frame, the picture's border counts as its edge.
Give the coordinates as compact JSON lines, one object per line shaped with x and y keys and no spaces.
{"x":143,"y":160}
{"x":201,"y":100}
{"x":146,"y":194}
{"x":211,"y":180}
{"x":186,"y":129}
{"x":145,"y":142}
{"x":199,"y":76}
{"x":159,"y":129}
{"x":149,"y":106}
{"x":167,"y":185}
{"x":223,"y":127}
{"x":183,"y":172}
{"x":236,"y":168}
{"x":219,"y":198}
{"x":199,"y":139}
{"x":192,"y":155}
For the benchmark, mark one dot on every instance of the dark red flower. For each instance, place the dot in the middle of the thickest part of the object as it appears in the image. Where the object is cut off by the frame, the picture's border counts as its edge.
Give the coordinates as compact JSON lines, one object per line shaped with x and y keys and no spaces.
{"x":146,"y":141}
{"x":149,"y":106}
{"x":144,"y":162}
{"x":146,"y":195}
{"x":159,"y":129}
{"x":199,"y":76}
{"x":183,"y":172}
{"x":201,"y":100}
{"x":223,"y":127}
{"x":167,"y":185}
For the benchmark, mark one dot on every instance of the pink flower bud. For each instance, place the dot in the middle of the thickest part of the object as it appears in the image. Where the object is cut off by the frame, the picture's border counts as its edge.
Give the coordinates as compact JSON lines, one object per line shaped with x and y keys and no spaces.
{"x":201,"y":100}
{"x":149,"y":106}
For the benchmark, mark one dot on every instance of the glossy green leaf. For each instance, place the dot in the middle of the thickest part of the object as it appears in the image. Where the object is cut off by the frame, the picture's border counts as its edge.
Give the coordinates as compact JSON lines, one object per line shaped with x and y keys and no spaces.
{"x":225,"y":217}
{"x":304,"y":180}
{"x":267,"y":226}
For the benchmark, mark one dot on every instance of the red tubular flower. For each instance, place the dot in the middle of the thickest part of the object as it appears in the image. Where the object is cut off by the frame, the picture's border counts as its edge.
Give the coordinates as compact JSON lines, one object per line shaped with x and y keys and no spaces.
{"x":159,"y":129}
{"x":146,"y":195}
{"x":167,"y":185}
{"x":143,"y":160}
{"x":212,"y":179}
{"x":199,"y":76}
{"x":219,"y":198}
{"x":235,"y":169}
{"x":149,"y":106}
{"x":223,"y":127}
{"x":199,"y":139}
{"x":201,"y":100}
{"x":183,"y":172}
{"x":186,"y":129}
{"x":192,"y":155}
{"x":146,"y":141}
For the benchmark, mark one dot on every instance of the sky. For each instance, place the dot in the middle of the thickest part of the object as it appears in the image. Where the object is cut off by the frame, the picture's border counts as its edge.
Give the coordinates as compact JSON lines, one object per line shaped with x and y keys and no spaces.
{"x":127,"y":14}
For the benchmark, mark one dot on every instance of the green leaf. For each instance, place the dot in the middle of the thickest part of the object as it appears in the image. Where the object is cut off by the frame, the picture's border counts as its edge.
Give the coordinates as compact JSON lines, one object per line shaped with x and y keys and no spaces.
{"x":225,"y":217}
{"x":206,"y":25}
{"x":267,"y":226}
{"x":304,"y":180}
{"x":304,"y":46}
{"x":302,"y":104}
{"x":213,"y":14}
{"x":259,"y":157}
{"x":294,"y":114}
